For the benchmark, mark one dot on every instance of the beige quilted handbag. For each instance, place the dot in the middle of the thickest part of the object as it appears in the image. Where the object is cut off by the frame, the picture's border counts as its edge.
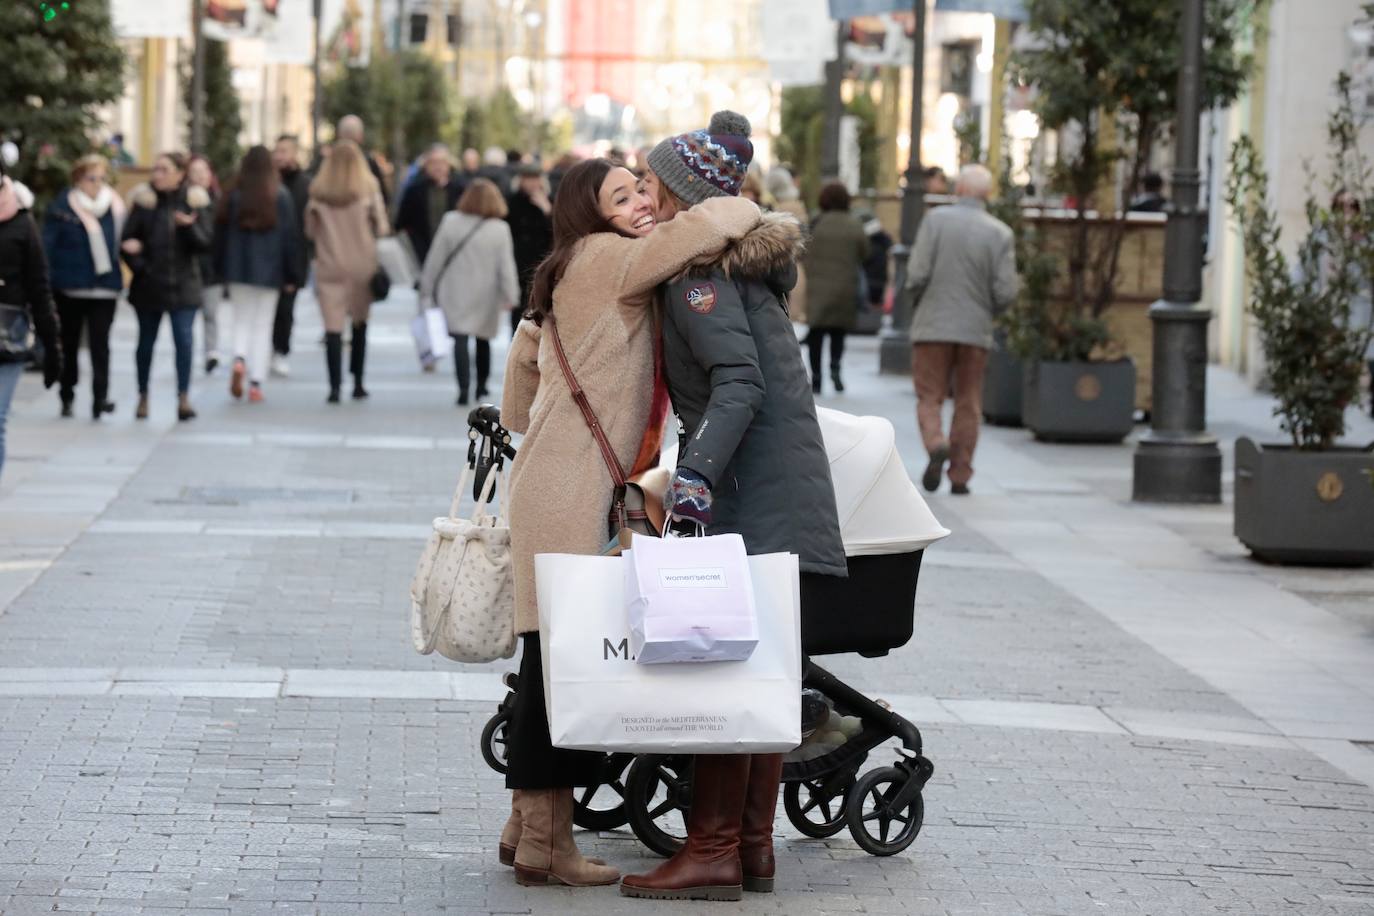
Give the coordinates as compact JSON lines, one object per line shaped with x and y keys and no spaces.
{"x":462,"y":599}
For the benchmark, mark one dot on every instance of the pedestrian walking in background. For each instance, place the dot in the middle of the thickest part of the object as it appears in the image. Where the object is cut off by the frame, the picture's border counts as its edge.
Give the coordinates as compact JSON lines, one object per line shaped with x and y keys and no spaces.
{"x":875,"y":267}
{"x":351,"y":127}
{"x":470,"y":274}
{"x":286,"y":155}
{"x":170,"y":226}
{"x":256,"y":258}
{"x":962,"y":272}
{"x":428,"y":199}
{"x":782,"y":188}
{"x":472,"y":164}
{"x":200,"y":174}
{"x":344,"y":218}
{"x":531,"y":229}
{"x":25,"y":298}
{"x":496,"y":168}
{"x":1153,"y":199}
{"x":598,"y":283}
{"x":737,"y":383}
{"x":81,"y":240}
{"x":835,"y":258}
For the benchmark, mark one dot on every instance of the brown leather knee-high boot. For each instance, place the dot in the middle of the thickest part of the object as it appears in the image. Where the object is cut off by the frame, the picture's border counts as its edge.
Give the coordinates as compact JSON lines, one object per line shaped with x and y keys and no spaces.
{"x":546,"y":853}
{"x":707,"y":867}
{"x":756,"y":834}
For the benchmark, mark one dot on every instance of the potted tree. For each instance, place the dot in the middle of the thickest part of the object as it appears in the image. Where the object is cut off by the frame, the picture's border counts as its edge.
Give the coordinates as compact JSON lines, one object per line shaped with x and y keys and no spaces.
{"x":1105,"y":76}
{"x":1307,"y":500}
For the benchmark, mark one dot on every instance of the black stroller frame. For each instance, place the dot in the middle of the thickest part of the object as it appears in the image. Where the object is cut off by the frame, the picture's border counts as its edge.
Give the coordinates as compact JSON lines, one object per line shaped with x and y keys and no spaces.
{"x":883,"y":808}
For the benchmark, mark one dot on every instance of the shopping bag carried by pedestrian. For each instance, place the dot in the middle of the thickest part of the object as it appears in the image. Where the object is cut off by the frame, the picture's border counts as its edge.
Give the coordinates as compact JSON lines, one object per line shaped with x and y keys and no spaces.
{"x":430,"y":330}
{"x":690,"y":599}
{"x":599,"y":699}
{"x":462,"y":599}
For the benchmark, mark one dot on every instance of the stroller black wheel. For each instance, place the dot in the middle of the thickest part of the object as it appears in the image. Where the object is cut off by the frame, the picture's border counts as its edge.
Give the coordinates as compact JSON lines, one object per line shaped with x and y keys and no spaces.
{"x":602,"y":806}
{"x":494,"y":741}
{"x":819,"y":813}
{"x":884,"y":816}
{"x":658,"y":794}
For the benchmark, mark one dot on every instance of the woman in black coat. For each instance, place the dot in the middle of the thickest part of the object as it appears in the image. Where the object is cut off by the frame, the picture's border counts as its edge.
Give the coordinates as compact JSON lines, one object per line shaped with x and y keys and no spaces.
{"x":531,"y":229}
{"x":25,"y":298}
{"x":169,"y":228}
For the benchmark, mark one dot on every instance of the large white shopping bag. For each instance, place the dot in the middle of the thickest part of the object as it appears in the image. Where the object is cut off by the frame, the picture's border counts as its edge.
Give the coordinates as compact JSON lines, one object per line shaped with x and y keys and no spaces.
{"x":690,"y":599}
{"x":430,"y":331}
{"x":599,"y":699}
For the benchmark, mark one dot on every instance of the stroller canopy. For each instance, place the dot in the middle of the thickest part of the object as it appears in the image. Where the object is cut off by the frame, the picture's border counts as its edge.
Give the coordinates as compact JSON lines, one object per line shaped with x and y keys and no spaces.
{"x":881,"y":511}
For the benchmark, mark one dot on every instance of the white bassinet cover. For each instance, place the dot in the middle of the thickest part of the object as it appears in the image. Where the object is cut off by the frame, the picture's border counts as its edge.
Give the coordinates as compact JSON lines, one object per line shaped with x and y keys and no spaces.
{"x":880,"y":509}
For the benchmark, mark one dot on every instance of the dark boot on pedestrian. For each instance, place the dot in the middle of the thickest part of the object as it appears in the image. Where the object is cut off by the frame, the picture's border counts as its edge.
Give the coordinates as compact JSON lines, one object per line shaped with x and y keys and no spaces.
{"x":756,"y":831}
{"x":546,"y":853}
{"x":141,"y":413}
{"x":935,"y":469}
{"x":66,"y":407}
{"x":835,"y":378}
{"x":333,"y":361}
{"x":101,"y":406}
{"x":184,"y":410}
{"x":707,"y":867}
{"x":357,"y":357}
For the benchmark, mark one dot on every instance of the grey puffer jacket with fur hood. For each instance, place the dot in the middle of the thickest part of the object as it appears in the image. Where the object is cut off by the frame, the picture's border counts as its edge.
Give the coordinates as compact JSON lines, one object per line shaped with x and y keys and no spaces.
{"x":738,"y":385}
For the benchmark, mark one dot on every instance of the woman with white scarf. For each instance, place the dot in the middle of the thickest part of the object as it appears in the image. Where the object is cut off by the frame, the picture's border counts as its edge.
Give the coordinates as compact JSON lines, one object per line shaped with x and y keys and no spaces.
{"x":81,"y":238}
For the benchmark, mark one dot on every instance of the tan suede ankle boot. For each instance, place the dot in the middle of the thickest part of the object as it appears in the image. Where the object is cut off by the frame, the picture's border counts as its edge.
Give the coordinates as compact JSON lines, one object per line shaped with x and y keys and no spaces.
{"x":510,"y":834}
{"x":546,"y":853}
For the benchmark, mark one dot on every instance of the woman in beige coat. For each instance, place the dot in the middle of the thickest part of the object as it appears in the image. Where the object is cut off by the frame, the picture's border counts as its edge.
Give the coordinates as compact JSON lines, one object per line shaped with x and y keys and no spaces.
{"x":598,"y":283}
{"x":344,"y":219}
{"x":470,"y":274}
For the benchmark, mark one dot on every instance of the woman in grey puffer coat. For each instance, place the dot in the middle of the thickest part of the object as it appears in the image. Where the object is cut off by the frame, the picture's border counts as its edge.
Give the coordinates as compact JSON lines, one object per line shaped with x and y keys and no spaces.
{"x":752,"y":462}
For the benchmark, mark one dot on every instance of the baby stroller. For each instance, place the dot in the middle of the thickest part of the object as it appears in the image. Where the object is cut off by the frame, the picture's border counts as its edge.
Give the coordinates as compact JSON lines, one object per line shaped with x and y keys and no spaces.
{"x":886,"y":527}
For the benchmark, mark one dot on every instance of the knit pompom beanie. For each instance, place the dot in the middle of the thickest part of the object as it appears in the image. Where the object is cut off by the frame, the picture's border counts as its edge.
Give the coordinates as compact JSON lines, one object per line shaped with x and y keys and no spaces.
{"x":706,"y":163}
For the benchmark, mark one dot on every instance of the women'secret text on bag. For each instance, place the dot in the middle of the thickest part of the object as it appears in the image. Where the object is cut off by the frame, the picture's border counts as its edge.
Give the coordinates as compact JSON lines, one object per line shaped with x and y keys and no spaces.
{"x":690,"y":599}
{"x":599,"y":698}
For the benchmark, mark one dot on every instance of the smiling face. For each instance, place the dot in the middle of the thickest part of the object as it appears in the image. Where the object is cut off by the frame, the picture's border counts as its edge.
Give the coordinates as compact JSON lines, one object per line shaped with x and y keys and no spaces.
{"x":663,"y":201}
{"x":624,"y":204}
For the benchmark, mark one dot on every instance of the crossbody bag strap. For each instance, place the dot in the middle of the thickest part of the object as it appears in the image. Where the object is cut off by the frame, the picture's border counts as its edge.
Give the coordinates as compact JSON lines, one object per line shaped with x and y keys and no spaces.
{"x":454,"y":253}
{"x":580,"y":397}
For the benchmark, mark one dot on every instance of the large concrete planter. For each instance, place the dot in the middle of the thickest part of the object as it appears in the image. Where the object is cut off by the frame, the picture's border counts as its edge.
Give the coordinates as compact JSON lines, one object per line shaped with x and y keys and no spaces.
{"x":1305,"y":507}
{"x":1002,"y":385}
{"x":1079,"y":402}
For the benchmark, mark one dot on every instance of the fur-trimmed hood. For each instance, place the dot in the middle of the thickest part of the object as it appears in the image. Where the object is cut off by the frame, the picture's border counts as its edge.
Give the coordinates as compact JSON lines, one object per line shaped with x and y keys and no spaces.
{"x":772,"y":246}
{"x":145,"y":196}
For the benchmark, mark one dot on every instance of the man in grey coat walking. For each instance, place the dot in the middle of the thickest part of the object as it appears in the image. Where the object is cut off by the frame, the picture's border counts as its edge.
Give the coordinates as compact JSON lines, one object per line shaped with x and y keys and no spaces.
{"x":962,"y":272}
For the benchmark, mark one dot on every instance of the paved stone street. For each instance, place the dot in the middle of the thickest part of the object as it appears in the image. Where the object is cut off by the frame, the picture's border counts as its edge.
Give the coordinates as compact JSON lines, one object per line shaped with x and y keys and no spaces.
{"x":209,"y":704}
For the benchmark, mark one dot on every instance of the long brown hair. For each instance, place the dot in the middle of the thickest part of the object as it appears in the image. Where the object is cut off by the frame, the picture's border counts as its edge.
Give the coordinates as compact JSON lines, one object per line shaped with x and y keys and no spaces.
{"x":576,"y":215}
{"x":257,"y":183}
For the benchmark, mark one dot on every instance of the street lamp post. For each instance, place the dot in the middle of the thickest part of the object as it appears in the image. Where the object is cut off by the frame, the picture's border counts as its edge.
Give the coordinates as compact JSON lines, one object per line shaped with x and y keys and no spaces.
{"x":834,"y":106}
{"x":1178,"y":460}
{"x":317,"y":104}
{"x":894,"y":352}
{"x":198,"y":77}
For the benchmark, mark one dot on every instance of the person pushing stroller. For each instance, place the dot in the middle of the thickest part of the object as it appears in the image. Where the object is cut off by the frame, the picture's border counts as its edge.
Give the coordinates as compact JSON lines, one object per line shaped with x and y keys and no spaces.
{"x":753,"y":463}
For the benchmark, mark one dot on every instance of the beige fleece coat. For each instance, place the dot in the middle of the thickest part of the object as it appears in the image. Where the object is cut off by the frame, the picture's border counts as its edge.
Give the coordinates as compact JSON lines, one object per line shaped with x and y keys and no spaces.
{"x":560,"y":487}
{"x":345,"y":240}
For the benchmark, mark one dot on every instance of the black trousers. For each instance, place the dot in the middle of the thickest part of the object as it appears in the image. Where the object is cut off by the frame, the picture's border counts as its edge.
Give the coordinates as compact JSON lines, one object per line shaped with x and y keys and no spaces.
{"x":463,"y":368}
{"x":532,"y":760}
{"x":816,"y":339}
{"x":96,"y":315}
{"x":283,"y":322}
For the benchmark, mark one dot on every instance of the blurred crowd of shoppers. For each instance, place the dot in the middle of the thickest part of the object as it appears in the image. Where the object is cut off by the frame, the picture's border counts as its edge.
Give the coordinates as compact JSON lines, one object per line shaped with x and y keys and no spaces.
{"x":237,"y":250}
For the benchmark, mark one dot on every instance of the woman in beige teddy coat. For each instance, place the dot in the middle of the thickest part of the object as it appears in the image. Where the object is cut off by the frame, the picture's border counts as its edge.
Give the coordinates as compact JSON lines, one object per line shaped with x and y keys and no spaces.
{"x":599,"y":283}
